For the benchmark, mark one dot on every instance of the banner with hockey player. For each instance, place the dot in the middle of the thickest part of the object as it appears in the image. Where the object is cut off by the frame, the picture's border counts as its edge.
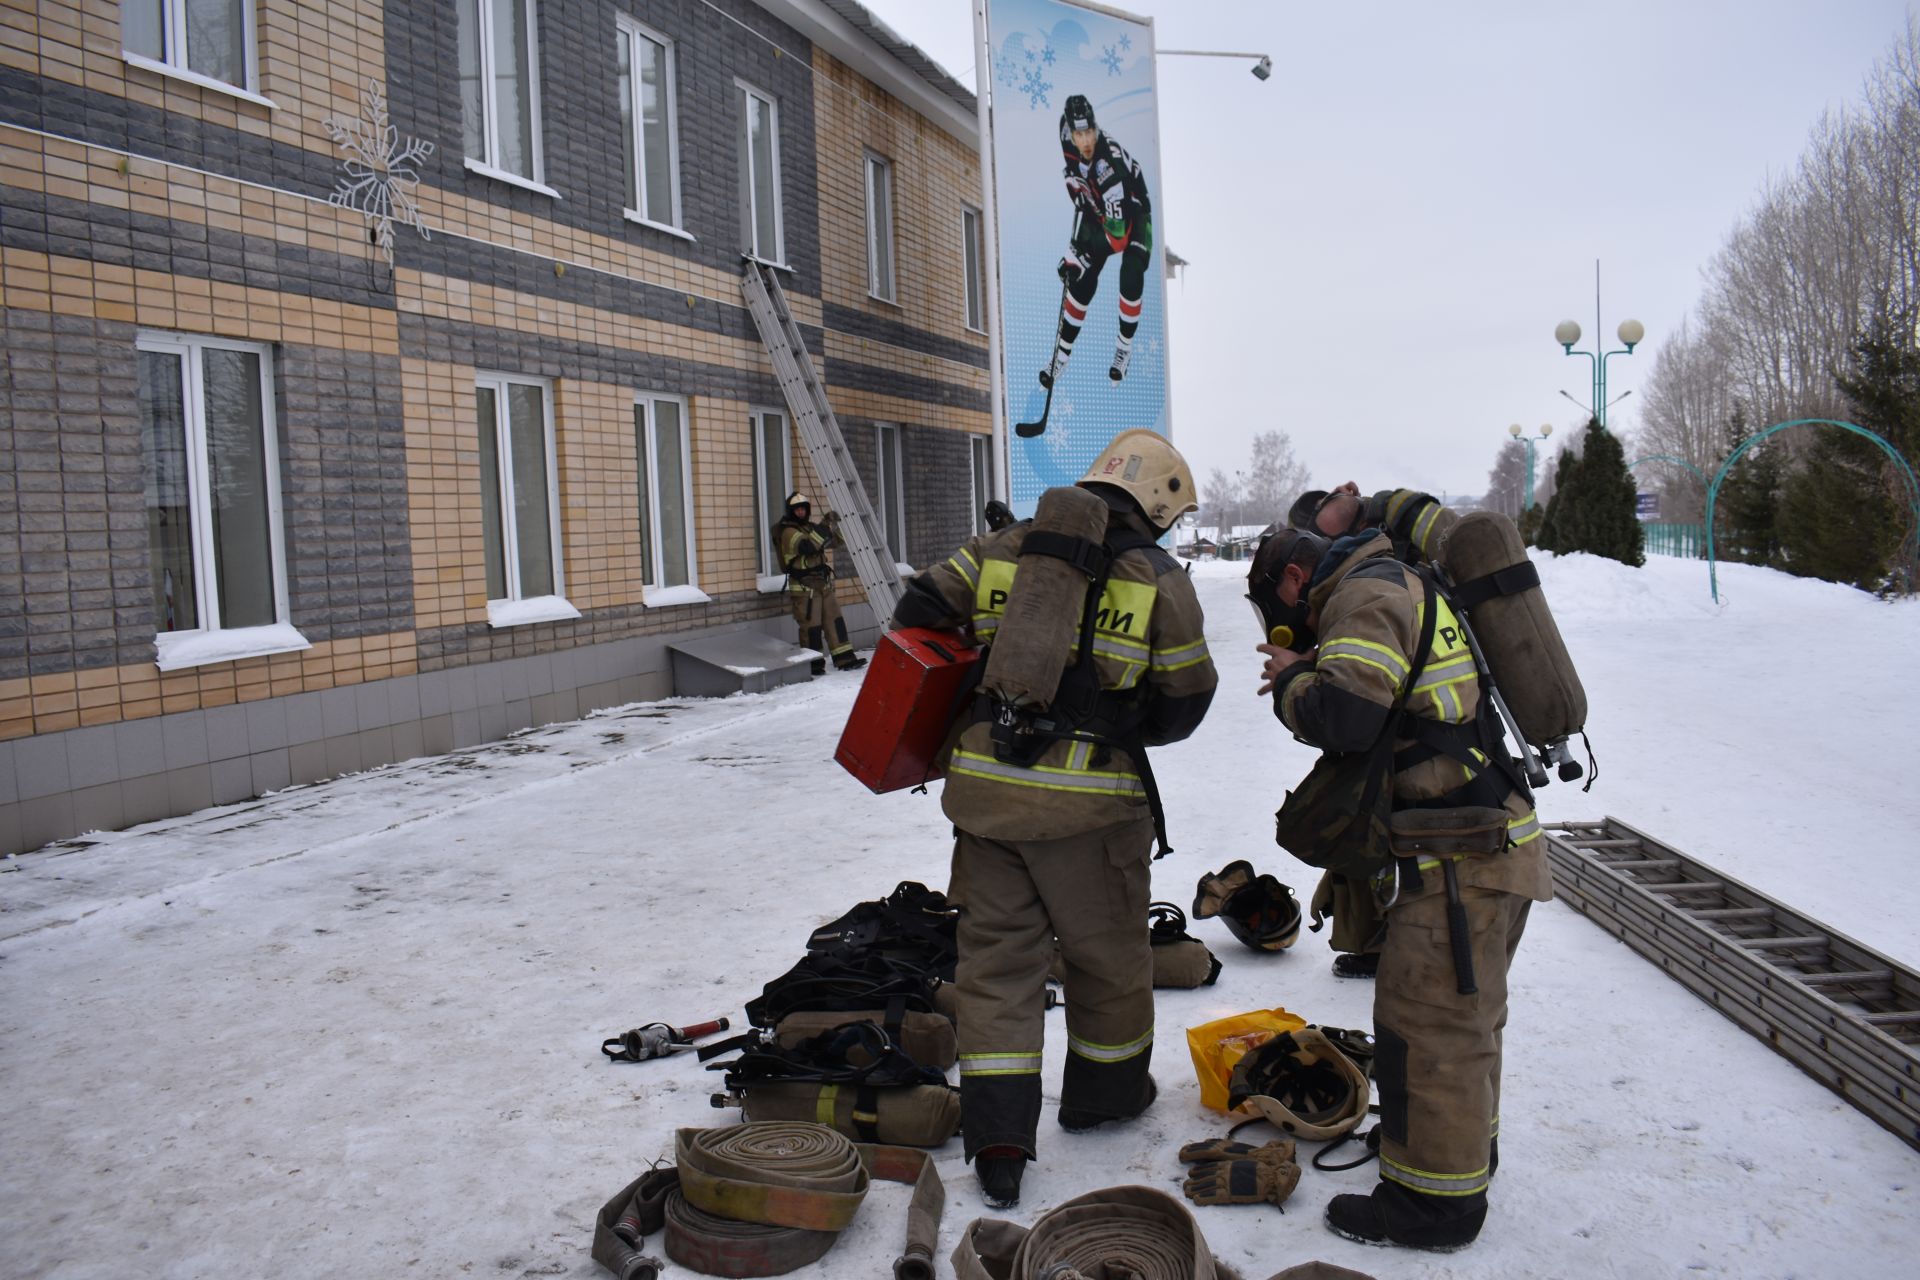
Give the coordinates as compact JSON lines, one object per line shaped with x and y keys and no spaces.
{"x":1076,"y":167}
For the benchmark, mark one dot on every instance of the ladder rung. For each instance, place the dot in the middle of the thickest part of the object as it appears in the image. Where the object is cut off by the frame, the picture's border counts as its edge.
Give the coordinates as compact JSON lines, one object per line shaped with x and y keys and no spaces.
{"x":1891,"y":1019}
{"x":1783,"y":944}
{"x":1684,"y":886}
{"x":1730,"y":913}
{"x":1645,"y":864}
{"x":1854,"y":978}
{"x":1610,"y":842}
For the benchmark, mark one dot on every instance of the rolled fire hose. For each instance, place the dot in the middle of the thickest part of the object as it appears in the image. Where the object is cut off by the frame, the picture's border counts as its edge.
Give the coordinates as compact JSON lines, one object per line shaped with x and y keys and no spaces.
{"x":762,"y":1199}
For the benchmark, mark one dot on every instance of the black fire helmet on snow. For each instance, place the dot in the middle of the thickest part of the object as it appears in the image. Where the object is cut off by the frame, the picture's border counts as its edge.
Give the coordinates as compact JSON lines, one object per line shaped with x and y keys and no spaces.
{"x":1257,"y":908}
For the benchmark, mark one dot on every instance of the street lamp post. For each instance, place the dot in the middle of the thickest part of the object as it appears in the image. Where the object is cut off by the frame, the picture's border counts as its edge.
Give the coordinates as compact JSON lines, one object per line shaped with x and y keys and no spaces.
{"x":1262,"y":67}
{"x":1567,"y":332}
{"x":1516,"y":431}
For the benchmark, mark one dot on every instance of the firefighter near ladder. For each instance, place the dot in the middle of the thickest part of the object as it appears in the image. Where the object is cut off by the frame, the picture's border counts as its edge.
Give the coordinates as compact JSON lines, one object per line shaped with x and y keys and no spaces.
{"x":1095,"y":653}
{"x":803,"y":547}
{"x":1417,"y":799}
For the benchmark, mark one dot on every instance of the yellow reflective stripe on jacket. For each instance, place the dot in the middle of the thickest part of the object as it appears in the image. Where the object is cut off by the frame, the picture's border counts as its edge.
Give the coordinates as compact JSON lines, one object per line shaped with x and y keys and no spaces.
{"x":1434,"y":1184}
{"x":823,"y":1104}
{"x":1125,"y":612}
{"x":1424,"y":526}
{"x":1110,"y":1052}
{"x":966,"y":566}
{"x":999,"y":1064}
{"x":1367,"y":652}
{"x":1521,"y":830}
{"x":1181,"y":657}
{"x":1047,"y":777}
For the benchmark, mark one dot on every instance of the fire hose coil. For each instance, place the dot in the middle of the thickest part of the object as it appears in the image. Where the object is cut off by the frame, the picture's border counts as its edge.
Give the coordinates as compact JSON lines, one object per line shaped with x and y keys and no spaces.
{"x":765,"y":1198}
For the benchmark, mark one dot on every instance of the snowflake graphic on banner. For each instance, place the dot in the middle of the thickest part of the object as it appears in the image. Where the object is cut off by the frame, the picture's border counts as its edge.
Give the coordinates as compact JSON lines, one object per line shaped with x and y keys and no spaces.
{"x":381,"y":170}
{"x":1126,"y":41}
{"x":1047,"y":55}
{"x":1111,"y":57}
{"x":1036,"y":89}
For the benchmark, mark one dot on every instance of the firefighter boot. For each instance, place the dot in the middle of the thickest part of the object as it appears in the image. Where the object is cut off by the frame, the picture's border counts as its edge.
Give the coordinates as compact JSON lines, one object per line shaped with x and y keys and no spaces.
{"x":999,"y":1170}
{"x":1079,"y":1120}
{"x":1357,"y":965}
{"x":817,"y":641}
{"x":1395,"y":1215}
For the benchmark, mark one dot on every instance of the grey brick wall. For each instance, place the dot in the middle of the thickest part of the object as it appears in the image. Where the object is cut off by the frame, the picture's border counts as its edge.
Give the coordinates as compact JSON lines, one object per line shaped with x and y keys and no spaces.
{"x":73,"y":565}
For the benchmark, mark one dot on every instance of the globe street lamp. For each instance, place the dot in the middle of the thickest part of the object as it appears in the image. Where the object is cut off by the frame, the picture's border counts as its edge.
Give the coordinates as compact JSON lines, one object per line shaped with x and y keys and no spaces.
{"x":1568,"y":332}
{"x":1516,"y":431}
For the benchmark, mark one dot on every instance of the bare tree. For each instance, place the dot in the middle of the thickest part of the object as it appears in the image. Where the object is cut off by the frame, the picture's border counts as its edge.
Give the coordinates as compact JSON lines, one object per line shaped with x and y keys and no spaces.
{"x":1276,"y":477}
{"x":1506,"y":483}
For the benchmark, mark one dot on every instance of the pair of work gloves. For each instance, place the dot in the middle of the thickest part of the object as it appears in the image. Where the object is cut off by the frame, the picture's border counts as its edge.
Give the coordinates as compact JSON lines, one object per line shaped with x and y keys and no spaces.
{"x":1226,"y":1172}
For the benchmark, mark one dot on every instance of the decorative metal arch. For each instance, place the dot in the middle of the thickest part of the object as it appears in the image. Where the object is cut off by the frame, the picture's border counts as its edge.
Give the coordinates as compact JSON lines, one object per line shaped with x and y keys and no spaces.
{"x":1713,"y":490}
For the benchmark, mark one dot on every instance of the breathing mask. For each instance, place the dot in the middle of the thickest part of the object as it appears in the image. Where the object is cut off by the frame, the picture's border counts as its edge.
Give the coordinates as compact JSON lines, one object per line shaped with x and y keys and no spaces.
{"x":1283,"y":624}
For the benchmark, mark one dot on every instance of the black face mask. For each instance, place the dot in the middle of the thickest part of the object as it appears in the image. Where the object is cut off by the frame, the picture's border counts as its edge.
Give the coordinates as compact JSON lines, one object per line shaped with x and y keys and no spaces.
{"x":1283,"y":624}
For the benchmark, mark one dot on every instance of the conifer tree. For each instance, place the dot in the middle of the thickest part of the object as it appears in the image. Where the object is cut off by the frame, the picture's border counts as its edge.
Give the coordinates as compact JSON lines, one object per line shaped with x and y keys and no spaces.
{"x":1596,"y":502}
{"x":1746,"y":512}
{"x":1550,"y":537}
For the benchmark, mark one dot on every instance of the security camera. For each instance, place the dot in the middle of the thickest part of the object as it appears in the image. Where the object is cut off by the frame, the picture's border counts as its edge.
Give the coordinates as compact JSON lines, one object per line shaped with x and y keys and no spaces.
{"x":1263,"y":68}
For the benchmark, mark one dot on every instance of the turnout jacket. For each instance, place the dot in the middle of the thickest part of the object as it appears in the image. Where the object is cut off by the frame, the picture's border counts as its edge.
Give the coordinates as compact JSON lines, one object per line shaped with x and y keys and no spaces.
{"x":1339,"y":702}
{"x":1156,"y":677}
{"x":1415,"y":521}
{"x":803,"y":548}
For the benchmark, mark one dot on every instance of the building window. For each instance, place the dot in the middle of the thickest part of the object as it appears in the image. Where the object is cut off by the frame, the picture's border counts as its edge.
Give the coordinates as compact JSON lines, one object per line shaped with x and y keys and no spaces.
{"x":647,"y":99}
{"x":974,"y":253}
{"x":519,"y":499}
{"x":499,"y":93}
{"x":760,"y":175}
{"x":891,"y":504}
{"x":211,"y":38}
{"x":666,"y":486}
{"x":979,"y":451}
{"x":879,"y":228}
{"x":212,"y":485}
{"x":772,"y":482}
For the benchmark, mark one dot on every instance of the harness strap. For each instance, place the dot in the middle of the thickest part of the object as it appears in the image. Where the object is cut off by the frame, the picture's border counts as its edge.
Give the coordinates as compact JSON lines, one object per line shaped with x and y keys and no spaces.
{"x":1510,"y":581}
{"x":1089,"y":558}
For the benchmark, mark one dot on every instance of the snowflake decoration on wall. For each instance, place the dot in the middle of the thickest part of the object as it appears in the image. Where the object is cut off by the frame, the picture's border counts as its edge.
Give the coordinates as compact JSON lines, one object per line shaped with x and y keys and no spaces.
{"x":381,"y":170}
{"x":1111,"y":57}
{"x":1036,"y":89}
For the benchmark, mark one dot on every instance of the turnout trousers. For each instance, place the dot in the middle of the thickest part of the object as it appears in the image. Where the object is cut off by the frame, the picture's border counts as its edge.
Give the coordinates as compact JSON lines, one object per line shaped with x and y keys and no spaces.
{"x":1090,"y":892}
{"x":816,"y":614}
{"x":1437,"y":1052}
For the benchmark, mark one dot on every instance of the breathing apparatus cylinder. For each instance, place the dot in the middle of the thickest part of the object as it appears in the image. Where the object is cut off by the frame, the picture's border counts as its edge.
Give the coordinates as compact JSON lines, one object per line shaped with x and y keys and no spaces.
{"x":1039,"y":632}
{"x":1499,"y":588}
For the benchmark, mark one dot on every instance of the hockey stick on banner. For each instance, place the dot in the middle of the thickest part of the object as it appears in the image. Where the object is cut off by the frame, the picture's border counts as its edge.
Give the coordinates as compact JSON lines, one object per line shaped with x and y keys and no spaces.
{"x":1028,"y":430}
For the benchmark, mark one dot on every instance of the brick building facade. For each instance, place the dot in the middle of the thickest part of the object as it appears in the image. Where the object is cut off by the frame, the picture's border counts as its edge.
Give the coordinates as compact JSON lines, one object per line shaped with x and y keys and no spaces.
{"x":274,"y":507}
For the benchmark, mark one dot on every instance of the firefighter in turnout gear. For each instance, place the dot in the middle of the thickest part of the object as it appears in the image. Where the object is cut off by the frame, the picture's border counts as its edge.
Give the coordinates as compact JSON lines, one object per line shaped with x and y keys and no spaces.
{"x":803,"y":547}
{"x":1112,"y":214}
{"x":1058,"y":844}
{"x":1417,"y":524}
{"x":1438,"y":1051}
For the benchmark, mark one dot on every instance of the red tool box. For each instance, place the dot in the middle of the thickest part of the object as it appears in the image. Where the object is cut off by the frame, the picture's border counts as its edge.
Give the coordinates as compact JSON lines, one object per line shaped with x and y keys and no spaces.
{"x":900,"y":719}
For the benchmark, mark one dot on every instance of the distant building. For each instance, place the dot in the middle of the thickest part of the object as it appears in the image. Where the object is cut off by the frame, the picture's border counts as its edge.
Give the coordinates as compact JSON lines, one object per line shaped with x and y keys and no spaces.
{"x":291,"y":493}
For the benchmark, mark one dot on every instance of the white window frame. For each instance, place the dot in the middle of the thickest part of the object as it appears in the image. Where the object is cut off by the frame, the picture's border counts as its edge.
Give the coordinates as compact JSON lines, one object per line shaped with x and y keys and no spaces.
{"x":778,"y":258}
{"x":879,"y":221}
{"x":210,"y":642}
{"x":173,"y":22}
{"x":489,"y":164}
{"x":764,"y":492}
{"x":515,"y":609}
{"x":893,"y":489}
{"x":632,"y":32}
{"x":980,"y":468}
{"x":973,"y":295}
{"x":652,"y":592}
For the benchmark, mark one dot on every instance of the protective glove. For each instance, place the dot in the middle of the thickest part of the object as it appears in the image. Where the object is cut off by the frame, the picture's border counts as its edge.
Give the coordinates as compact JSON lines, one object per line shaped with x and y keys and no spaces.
{"x":1278,"y":1151}
{"x":1073,"y":266}
{"x":1247,"y":1181}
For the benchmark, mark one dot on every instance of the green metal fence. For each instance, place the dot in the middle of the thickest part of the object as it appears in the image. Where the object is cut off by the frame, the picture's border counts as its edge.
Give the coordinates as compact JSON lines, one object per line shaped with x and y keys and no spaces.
{"x":1687,"y":541}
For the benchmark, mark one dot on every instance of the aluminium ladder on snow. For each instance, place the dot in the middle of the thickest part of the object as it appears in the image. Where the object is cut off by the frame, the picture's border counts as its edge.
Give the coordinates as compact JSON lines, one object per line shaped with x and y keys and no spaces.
{"x":1842,"y":1012}
{"x":820,"y":432}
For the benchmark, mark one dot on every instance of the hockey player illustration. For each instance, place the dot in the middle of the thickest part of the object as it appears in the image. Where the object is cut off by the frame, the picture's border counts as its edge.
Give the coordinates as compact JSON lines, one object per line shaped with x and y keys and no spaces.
{"x":1112,"y":215}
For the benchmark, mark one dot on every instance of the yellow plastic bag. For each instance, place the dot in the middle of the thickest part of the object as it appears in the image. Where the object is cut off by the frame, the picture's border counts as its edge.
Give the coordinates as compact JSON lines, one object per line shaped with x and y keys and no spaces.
{"x":1216,"y":1046}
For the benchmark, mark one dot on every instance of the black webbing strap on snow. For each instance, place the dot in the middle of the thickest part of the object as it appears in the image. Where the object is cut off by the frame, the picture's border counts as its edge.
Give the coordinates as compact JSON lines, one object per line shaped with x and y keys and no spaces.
{"x":1510,"y":581}
{"x":1089,"y":558}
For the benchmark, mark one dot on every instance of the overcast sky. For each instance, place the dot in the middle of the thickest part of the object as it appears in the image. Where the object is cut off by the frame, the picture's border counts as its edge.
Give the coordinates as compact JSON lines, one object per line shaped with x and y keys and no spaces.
{"x":1384,"y":234}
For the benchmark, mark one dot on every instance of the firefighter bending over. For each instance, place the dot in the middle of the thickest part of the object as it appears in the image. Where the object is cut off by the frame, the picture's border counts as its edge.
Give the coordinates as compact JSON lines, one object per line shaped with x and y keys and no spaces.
{"x":802,"y":547}
{"x":1053,"y":799}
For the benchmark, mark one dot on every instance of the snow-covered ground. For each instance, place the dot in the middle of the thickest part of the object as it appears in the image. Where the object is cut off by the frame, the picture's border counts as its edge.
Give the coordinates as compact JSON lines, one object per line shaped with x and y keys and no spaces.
{"x":353,"y":1029}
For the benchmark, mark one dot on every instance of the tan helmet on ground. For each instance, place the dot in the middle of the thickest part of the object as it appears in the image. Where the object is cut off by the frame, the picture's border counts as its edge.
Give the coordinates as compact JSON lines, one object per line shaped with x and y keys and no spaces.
{"x":1151,"y":471}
